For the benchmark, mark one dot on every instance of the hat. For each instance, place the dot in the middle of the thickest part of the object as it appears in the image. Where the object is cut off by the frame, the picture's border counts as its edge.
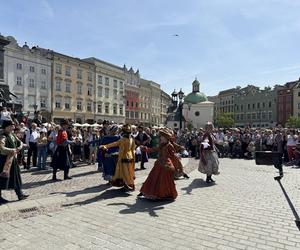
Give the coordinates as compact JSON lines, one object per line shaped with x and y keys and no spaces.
{"x":141,"y":127}
{"x":7,"y":123}
{"x":165,"y":133}
{"x":126,"y":128}
{"x":113,"y":128}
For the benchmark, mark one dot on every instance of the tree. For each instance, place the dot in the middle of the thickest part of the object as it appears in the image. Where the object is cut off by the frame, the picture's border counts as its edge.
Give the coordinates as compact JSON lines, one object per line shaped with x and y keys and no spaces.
{"x":225,"y":120}
{"x":293,"y":122}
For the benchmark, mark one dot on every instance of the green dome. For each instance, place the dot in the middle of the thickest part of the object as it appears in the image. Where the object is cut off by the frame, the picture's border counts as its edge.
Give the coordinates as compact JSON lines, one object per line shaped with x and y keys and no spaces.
{"x":195,"y":97}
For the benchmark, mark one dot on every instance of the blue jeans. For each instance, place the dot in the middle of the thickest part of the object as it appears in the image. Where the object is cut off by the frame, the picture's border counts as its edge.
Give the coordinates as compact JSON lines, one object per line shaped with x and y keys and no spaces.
{"x":42,"y":156}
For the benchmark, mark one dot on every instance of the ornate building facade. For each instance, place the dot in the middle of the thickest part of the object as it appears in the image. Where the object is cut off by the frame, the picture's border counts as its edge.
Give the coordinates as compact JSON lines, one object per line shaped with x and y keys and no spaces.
{"x":27,"y":71}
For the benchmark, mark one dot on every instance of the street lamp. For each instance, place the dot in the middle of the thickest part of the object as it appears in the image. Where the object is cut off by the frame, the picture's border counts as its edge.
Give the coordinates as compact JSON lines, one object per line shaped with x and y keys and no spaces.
{"x":180,"y":106}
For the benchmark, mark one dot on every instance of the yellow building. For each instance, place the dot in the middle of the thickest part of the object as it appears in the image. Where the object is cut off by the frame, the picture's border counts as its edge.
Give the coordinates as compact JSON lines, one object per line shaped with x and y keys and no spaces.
{"x":72,"y":89}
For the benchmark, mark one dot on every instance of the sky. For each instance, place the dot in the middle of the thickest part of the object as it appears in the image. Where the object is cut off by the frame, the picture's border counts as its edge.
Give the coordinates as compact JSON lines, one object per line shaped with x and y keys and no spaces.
{"x":224,"y":43}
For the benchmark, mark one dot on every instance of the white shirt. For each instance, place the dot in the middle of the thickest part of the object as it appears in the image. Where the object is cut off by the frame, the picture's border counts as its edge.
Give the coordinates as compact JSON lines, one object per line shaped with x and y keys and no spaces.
{"x":5,"y":116}
{"x":291,"y":140}
{"x":32,"y":137}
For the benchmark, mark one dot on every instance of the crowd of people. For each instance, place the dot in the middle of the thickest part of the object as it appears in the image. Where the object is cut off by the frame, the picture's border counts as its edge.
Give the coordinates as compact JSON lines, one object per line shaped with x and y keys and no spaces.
{"x":116,"y":149}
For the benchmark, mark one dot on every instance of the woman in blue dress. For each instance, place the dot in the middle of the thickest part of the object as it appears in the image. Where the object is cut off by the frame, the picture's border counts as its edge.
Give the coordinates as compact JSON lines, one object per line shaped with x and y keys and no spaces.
{"x":109,"y":158}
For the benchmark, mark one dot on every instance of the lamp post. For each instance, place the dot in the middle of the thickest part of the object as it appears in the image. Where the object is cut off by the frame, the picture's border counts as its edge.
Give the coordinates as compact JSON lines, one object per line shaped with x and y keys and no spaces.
{"x":180,"y":106}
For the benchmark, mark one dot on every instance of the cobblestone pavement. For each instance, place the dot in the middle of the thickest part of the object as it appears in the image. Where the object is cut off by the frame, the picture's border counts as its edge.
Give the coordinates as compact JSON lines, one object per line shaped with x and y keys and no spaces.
{"x":245,"y":209}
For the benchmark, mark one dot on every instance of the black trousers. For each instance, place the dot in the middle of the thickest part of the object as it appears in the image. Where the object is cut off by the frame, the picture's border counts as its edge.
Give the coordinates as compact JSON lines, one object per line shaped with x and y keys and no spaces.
{"x":32,"y":151}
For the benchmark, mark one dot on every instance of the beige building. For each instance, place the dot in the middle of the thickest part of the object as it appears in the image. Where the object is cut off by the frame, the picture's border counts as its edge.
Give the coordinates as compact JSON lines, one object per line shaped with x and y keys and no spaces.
{"x":72,"y":89}
{"x":155,"y":104}
{"x":166,"y":102}
{"x":109,"y":91}
{"x":225,"y":103}
{"x":296,"y":99}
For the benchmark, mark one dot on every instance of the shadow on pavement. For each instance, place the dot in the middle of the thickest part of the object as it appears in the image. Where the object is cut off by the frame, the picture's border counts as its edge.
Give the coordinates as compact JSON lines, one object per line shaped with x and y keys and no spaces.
{"x":197,"y":183}
{"x":108,"y":194}
{"x":89,"y":190}
{"x":85,"y":173}
{"x":142,"y":206}
{"x":36,"y":184}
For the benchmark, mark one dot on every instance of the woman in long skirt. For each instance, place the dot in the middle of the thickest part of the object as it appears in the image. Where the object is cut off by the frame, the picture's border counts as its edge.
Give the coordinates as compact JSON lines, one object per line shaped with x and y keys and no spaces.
{"x":209,"y":162}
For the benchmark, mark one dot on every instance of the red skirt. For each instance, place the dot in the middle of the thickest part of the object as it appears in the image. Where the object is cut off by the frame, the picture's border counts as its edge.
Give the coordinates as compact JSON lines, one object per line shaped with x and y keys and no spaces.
{"x":160,"y":183}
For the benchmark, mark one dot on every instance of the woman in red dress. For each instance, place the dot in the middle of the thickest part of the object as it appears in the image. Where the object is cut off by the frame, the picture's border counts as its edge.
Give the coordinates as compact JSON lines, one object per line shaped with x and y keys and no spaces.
{"x":160,"y":182}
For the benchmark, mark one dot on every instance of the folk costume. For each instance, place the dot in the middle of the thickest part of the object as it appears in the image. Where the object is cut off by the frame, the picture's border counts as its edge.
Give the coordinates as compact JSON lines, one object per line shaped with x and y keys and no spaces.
{"x":209,"y":162}
{"x":142,"y":139}
{"x":124,"y":173}
{"x":109,"y":157}
{"x":160,"y":181}
{"x":62,"y":157}
{"x":10,"y":175}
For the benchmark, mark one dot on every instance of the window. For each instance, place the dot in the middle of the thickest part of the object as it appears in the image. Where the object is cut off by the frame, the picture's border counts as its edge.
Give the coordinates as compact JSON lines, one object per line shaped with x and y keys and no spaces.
{"x":132,"y":104}
{"x":115,"y":109}
{"x":263,"y":105}
{"x":106,"y":92}
{"x":270,"y":115}
{"x":136,"y":105}
{"x":258,"y":105}
{"x":127,"y":114}
{"x":237,"y":117}
{"x":299,"y":105}
{"x":263,"y":115}
{"x":79,"y":73}
{"x":121,"y":94}
{"x":79,"y":88}
{"x":131,"y":114}
{"x":142,"y":116}
{"x":242,"y":116}
{"x":107,"y":108}
{"x":248,"y":116}
{"x":248,"y":106}
{"x":31,"y":69}
{"x":258,"y":115}
{"x":242,"y":107}
{"x":31,"y":101}
{"x":31,"y":83}
{"x":90,"y":76}
{"x":43,"y":71}
{"x":43,"y":102}
{"x":43,"y":85}
{"x":58,"y":85}
{"x":58,"y":102}
{"x":253,"y":116}
{"x":68,"y":71}
{"x":99,"y":79}
{"x":127,"y":103}
{"x":19,"y":66}
{"x":106,"y":81}
{"x":270,"y":104}
{"x":68,"y":87}
{"x":89,"y":107}
{"x":100,"y":90}
{"x":121,"y":109}
{"x":100,"y":107}
{"x":90,"y":90}
{"x":121,"y":85}
{"x":58,"y":68}
{"x":253,"y":106}
{"x":115,"y":94}
{"x":19,"y":80}
{"x":79,"y":105}
{"x":115,"y":83}
{"x":67,"y":102}
{"x":298,"y":93}
{"x":197,"y":113}
{"x":136,"y":115}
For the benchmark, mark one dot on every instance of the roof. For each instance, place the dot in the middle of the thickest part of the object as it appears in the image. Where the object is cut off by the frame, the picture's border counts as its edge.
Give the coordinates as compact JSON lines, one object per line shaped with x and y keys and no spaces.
{"x":195,"y":97}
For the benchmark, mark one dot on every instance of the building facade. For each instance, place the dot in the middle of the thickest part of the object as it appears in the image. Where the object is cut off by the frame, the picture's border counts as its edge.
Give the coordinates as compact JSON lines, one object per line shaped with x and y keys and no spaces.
{"x":145,"y":103}
{"x":72,"y":89}
{"x":296,"y":99}
{"x":226,"y":100}
{"x":132,"y":93}
{"x":155,"y":103}
{"x":285,"y":101}
{"x":255,"y":107}
{"x":27,"y":71}
{"x":166,"y":102}
{"x":109,"y":91}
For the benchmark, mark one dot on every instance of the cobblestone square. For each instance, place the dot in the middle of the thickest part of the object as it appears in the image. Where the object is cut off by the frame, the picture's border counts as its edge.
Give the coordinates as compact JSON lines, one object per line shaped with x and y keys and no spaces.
{"x":244,"y":209}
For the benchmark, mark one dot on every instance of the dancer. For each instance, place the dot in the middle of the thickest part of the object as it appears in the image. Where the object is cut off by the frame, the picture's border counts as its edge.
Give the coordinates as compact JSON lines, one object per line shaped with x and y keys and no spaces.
{"x":62,"y":157}
{"x":109,"y":158}
{"x":10,"y":176}
{"x":209,"y":163}
{"x":124,"y":174}
{"x":160,"y":182}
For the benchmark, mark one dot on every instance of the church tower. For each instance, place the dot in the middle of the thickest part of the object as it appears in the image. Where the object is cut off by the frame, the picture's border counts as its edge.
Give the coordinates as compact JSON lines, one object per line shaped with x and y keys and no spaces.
{"x":196,"y":86}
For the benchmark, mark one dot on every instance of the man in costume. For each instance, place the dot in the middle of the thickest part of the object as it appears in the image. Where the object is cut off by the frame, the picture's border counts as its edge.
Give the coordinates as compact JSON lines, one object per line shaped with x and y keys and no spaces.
{"x":10,"y":176}
{"x":32,"y":136}
{"x":142,"y":139}
{"x":62,"y":157}
{"x":124,"y":174}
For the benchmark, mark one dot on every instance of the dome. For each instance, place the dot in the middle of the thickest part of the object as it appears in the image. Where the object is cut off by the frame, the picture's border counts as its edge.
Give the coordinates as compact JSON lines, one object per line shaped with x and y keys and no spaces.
{"x":195,"y":97}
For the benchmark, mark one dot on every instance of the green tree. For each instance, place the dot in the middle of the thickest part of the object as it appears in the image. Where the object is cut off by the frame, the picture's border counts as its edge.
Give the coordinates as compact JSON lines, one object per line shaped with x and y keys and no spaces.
{"x":225,"y":120}
{"x":293,"y":122}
